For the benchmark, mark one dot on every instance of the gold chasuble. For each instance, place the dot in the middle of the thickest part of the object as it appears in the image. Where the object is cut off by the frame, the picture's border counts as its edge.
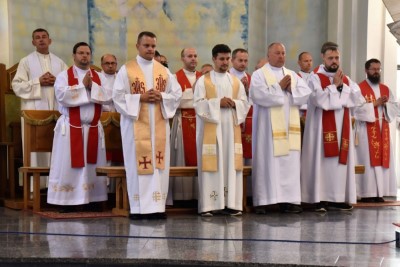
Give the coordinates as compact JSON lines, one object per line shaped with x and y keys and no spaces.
{"x":282,"y":144}
{"x":141,"y":127}
{"x":209,"y":156}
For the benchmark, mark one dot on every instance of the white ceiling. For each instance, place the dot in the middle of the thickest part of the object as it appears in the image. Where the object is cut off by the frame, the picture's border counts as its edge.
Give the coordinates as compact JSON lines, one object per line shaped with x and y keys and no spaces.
{"x":393,"y":6}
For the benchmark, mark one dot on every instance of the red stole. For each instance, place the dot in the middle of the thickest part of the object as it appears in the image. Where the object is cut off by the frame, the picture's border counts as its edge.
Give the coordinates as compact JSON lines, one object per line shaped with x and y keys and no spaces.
{"x":331,"y":146}
{"x":378,"y":139}
{"x":188,"y":122}
{"x":76,"y":134}
{"x":247,"y":129}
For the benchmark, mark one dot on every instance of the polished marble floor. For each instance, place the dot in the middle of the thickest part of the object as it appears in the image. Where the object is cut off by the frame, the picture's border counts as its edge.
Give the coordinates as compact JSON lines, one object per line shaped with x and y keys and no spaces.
{"x":363,"y":237}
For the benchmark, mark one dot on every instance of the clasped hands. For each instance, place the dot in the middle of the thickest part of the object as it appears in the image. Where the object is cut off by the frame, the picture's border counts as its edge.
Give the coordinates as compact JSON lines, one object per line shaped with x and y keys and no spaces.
{"x":285,"y":83}
{"x":47,"y":79}
{"x":151,"y":96}
{"x":227,"y":103}
{"x":381,"y":101}
{"x":87,"y":80}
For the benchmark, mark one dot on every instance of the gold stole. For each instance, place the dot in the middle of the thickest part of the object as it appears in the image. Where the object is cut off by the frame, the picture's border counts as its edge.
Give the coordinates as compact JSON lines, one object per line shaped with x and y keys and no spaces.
{"x":209,"y":155}
{"x":282,"y":144}
{"x":141,"y":127}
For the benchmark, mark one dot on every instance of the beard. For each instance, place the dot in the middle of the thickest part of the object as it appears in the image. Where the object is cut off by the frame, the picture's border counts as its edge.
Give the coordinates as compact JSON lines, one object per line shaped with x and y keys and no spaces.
{"x":375,"y":79}
{"x":331,"y":68}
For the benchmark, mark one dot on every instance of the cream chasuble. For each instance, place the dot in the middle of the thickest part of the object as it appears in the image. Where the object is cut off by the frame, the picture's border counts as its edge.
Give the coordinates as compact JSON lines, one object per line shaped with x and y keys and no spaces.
{"x":282,"y":142}
{"x":142,"y":126}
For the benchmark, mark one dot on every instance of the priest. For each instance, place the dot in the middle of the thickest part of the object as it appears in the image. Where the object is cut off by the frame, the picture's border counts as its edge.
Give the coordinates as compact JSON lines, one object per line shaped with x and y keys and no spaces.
{"x":221,"y":106}
{"x":327,"y":174}
{"x":183,"y":133}
{"x":374,"y":149}
{"x":147,"y":96}
{"x":277,"y":93}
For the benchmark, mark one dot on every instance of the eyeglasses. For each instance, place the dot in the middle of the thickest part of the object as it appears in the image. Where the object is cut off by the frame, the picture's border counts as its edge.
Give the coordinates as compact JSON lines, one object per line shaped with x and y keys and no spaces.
{"x":375,"y":70}
{"x":109,"y":63}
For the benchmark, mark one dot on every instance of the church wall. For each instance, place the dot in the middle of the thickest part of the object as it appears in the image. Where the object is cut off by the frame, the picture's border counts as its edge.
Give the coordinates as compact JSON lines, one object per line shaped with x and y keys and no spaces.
{"x":300,"y":25}
{"x":114,"y":26}
{"x":66,"y":22}
{"x":257,"y":32}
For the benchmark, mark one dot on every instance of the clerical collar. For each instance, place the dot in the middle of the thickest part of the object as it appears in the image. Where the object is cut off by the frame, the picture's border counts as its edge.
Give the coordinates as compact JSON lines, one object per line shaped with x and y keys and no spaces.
{"x":237,"y":73}
{"x":276,"y":68}
{"x":219,"y":74}
{"x":303,"y":72}
{"x":188,"y":72}
{"x":326,"y":73}
{"x":109,"y":75}
{"x":43,"y":55}
{"x":80,"y":71}
{"x":143,"y":61}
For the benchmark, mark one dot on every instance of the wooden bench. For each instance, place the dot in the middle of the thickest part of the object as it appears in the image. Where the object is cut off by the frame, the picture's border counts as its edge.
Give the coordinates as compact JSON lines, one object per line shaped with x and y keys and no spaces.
{"x":7,"y":145}
{"x":38,"y":137}
{"x":122,"y":201}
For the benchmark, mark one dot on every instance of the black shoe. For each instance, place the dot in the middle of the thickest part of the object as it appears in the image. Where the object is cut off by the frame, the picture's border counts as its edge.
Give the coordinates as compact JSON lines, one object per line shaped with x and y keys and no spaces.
{"x":232,"y":212}
{"x":320,"y":207}
{"x":290,"y":208}
{"x":161,"y":215}
{"x":339,"y":206}
{"x":367,"y":200}
{"x":156,"y":216}
{"x":67,"y":209}
{"x":136,"y":216}
{"x":379,"y":199}
{"x":93,"y":207}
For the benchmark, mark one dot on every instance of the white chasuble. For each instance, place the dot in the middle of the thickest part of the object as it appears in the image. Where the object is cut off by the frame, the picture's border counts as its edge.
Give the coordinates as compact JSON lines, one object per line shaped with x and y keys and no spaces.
{"x":224,"y":187}
{"x":276,"y":179}
{"x":146,"y":193}
{"x":376,"y":181}
{"x":76,"y":186}
{"x":324,"y":178}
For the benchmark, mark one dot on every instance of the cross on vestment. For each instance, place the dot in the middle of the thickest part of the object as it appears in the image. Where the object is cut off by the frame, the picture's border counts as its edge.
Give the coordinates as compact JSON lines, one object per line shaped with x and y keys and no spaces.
{"x":156,"y":196}
{"x":329,"y":137}
{"x":144,"y":162}
{"x":345,"y":143}
{"x":209,"y":150}
{"x":159,"y":157}
{"x":214,"y":195}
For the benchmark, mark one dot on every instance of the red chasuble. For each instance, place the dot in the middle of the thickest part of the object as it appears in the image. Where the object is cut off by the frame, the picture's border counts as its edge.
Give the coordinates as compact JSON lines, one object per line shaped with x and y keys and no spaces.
{"x":378,"y":139}
{"x":188,"y":122}
{"x":76,"y":134}
{"x":331,"y":146}
{"x":247,"y":129}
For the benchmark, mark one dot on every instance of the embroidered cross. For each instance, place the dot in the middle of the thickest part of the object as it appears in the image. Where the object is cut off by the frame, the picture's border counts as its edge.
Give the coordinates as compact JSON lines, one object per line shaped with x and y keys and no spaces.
{"x":159,"y":157}
{"x":209,"y":150}
{"x":74,"y":94}
{"x":225,"y":191}
{"x":345,"y":144}
{"x":144,"y":162}
{"x":156,"y":196}
{"x":135,"y":197}
{"x":329,"y":137}
{"x":214,"y":195}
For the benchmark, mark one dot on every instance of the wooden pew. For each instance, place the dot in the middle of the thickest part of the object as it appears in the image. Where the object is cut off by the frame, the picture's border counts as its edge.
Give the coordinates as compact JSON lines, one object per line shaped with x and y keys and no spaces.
{"x":38,"y":137}
{"x":8,"y":146}
{"x":122,"y":201}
